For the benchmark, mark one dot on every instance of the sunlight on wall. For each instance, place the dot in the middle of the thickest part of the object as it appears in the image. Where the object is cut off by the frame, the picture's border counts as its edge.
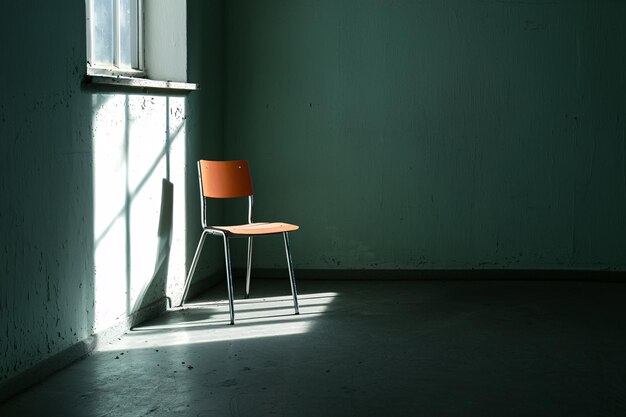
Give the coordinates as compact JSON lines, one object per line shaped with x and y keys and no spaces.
{"x":208,"y":322}
{"x":138,"y":143}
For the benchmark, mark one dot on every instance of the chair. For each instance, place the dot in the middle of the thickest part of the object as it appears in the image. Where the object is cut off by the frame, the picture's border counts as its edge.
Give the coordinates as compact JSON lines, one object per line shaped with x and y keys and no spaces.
{"x":231,"y":179}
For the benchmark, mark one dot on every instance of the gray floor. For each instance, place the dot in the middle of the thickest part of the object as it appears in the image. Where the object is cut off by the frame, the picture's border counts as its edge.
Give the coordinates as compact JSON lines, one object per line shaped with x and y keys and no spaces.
{"x":399,"y":348}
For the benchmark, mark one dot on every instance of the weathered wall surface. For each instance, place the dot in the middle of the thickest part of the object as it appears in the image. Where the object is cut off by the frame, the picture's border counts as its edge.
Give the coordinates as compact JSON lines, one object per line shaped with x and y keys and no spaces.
{"x":433,"y":134}
{"x":46,"y":186}
{"x":94,"y":216}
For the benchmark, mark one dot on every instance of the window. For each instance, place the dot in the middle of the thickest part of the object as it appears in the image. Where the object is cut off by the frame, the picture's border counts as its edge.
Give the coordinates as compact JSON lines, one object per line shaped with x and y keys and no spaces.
{"x":137,"y":44}
{"x":115,"y":37}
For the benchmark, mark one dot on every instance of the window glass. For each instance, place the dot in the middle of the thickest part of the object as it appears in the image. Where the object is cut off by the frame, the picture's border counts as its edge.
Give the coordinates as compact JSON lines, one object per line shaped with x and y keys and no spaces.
{"x":103,"y":35}
{"x":128,"y":34}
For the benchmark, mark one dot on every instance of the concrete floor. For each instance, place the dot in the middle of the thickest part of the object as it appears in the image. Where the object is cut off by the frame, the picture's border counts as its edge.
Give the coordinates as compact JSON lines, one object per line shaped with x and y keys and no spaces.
{"x":398,"y":348}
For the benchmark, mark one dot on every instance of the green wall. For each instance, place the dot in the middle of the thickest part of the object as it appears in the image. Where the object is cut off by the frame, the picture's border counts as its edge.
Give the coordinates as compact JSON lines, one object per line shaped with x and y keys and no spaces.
{"x":82,"y":187}
{"x":433,"y":134}
{"x":46,"y":197}
{"x":205,"y":125}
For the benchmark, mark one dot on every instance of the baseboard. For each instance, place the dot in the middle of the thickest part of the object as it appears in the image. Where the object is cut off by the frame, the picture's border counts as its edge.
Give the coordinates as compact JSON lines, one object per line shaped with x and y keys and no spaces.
{"x":441,"y":274}
{"x":40,"y":371}
{"x":15,"y":384}
{"x":202,"y":285}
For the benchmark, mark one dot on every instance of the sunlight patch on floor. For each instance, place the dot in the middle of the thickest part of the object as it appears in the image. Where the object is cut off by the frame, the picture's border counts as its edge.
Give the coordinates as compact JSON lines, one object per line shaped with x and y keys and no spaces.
{"x":206,"y":322}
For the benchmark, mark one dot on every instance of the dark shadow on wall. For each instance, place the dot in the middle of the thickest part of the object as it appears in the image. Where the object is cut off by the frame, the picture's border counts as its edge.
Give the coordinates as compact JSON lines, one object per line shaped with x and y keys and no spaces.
{"x":205,"y":130}
{"x":157,"y":286}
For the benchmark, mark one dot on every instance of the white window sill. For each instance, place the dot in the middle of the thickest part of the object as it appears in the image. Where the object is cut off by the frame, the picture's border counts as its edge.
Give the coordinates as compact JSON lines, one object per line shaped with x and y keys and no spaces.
{"x":145,"y":84}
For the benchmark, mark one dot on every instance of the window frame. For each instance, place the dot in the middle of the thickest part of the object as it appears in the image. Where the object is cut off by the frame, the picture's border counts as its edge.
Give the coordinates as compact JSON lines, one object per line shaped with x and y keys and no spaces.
{"x":163,"y":53}
{"x":114,"y":69}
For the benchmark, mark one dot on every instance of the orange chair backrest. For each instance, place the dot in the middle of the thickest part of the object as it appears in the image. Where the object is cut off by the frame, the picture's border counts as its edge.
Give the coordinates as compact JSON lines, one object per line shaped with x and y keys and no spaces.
{"x":225,"y":179}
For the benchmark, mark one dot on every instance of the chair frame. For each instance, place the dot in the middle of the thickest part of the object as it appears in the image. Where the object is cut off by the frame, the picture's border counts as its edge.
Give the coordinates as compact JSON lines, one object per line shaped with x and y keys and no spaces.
{"x":226,"y":236}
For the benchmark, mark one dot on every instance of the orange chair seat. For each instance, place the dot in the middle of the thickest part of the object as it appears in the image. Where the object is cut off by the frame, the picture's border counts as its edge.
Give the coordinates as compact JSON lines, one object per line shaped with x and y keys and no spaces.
{"x":257,"y":228}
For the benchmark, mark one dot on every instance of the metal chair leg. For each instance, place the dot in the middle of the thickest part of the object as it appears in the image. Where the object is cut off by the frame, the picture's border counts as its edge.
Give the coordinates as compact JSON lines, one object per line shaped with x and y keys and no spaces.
{"x":229,"y":279}
{"x":192,"y":269}
{"x":249,"y":267}
{"x":292,"y":278}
